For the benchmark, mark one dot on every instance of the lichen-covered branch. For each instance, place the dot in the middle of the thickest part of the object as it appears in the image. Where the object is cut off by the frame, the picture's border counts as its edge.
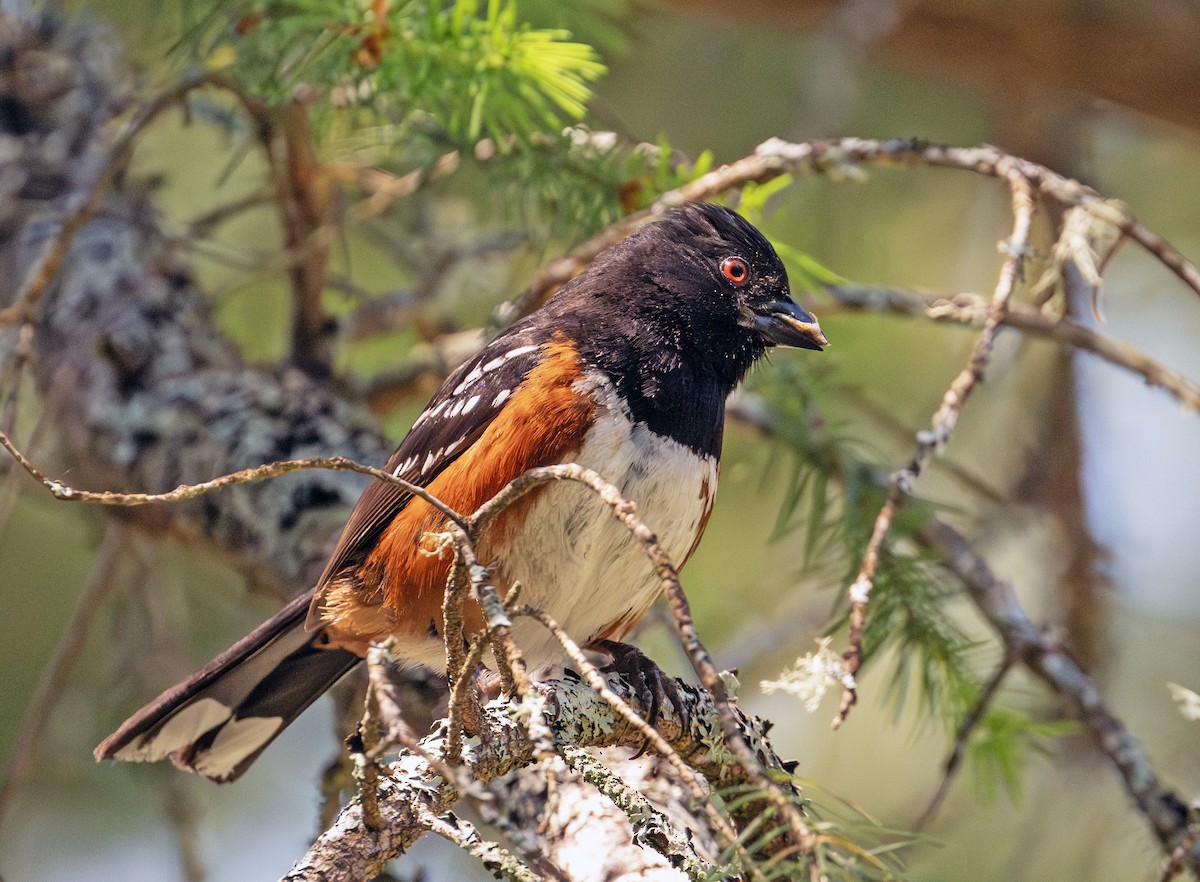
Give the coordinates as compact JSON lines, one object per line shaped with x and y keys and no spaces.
{"x":410,"y":789}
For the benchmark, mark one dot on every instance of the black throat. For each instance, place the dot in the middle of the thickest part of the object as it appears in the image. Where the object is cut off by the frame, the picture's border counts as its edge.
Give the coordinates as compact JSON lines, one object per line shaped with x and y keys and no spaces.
{"x":674,"y":380}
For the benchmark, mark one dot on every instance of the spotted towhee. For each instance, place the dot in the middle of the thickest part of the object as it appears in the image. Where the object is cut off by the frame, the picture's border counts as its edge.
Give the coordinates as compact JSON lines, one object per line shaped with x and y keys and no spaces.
{"x":625,"y":371}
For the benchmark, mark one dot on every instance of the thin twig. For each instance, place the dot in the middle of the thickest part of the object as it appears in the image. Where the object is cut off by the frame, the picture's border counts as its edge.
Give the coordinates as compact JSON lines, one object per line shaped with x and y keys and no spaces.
{"x":933,"y":439}
{"x":461,"y":700}
{"x":965,"y":729}
{"x":201,"y":225}
{"x":971,"y":309}
{"x":183,"y":492}
{"x":54,"y":675}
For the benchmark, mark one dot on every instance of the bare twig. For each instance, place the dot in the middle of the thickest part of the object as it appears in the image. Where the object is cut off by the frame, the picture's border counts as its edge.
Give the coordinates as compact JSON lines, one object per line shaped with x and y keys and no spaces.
{"x":1166,"y":813}
{"x":67,"y":493}
{"x":201,"y":225}
{"x":971,"y":309}
{"x":965,"y":730}
{"x":462,"y":702}
{"x":931,"y":440}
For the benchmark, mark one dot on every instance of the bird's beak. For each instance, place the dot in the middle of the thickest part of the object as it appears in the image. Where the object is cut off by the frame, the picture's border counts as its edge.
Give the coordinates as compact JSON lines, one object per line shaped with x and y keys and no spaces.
{"x":785,"y":323}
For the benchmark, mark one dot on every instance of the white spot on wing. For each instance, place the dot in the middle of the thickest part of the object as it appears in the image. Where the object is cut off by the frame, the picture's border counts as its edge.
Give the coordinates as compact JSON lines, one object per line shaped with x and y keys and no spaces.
{"x":431,"y":414}
{"x":501,"y":397}
{"x":475,"y":375}
{"x":471,"y":402}
{"x":468,"y":380}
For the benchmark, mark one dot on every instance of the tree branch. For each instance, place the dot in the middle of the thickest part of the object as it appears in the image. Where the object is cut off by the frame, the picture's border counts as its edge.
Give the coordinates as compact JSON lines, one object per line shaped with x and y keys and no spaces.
{"x":410,"y":789}
{"x":971,"y":309}
{"x":1166,"y":812}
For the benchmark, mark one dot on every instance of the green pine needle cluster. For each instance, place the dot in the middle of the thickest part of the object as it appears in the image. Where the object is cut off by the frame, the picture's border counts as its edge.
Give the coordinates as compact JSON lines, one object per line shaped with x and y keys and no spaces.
{"x":916,"y":619}
{"x":848,"y":845}
{"x":466,"y":70}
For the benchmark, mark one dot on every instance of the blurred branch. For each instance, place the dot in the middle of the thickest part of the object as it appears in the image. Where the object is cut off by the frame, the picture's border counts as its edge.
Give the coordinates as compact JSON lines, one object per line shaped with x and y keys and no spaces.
{"x":1166,"y":813}
{"x":305,"y":200}
{"x":1035,"y":52}
{"x":965,"y":729}
{"x":55,"y":675}
{"x":67,"y":493}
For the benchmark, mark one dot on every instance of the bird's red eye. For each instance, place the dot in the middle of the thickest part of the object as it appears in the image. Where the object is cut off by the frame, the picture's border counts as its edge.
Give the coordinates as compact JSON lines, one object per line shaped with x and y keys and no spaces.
{"x":736,"y":270}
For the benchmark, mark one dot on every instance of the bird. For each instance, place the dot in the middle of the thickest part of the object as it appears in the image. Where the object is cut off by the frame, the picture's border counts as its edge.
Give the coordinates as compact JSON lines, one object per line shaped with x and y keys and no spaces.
{"x":626,"y":371}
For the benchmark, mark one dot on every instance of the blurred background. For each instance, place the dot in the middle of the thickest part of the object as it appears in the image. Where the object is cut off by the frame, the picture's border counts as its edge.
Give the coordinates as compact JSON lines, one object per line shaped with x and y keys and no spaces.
{"x":1081,"y":484}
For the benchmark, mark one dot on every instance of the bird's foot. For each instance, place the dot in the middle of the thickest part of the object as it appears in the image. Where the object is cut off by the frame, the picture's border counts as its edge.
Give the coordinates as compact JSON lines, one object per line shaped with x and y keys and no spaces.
{"x":653,"y":688}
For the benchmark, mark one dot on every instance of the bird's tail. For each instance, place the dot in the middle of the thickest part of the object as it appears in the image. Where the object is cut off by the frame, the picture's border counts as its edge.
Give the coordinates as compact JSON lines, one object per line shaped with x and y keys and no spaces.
{"x":218,"y":721}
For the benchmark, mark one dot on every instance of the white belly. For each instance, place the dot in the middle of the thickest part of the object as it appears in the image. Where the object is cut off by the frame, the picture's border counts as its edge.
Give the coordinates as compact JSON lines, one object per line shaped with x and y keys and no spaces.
{"x":577,"y":562}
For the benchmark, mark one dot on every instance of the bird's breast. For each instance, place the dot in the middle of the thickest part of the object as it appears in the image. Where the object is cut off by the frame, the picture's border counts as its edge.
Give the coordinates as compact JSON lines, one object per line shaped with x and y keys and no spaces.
{"x":575,"y":560}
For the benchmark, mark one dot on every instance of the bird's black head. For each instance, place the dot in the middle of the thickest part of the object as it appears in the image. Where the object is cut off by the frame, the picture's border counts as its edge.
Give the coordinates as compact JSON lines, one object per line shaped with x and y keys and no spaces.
{"x":719,"y":263}
{"x":704,"y":278}
{"x":679,"y":311}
